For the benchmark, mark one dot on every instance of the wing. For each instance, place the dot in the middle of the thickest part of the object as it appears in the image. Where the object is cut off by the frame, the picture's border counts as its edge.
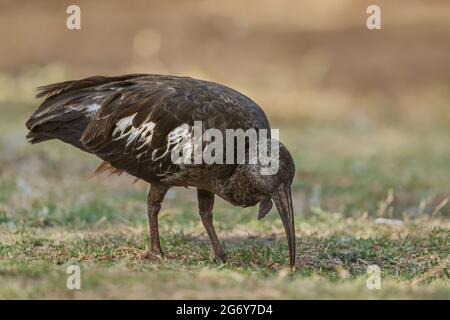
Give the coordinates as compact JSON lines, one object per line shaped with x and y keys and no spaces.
{"x":141,"y":121}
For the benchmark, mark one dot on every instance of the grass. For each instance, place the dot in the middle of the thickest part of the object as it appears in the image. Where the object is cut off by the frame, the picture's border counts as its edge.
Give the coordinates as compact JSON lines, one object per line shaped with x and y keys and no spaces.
{"x":413,"y":259}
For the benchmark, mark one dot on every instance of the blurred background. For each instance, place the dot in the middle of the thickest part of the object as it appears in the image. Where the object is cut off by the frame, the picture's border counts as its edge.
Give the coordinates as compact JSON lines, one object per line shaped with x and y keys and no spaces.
{"x":366,"y":113}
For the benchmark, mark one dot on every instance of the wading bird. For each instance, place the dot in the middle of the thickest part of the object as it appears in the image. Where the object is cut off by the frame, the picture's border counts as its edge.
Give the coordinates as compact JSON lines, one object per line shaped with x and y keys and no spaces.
{"x":133,"y":122}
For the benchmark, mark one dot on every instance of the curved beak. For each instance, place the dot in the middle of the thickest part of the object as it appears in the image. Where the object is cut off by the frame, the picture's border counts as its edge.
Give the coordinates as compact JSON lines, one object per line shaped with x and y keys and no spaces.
{"x":283,"y":200}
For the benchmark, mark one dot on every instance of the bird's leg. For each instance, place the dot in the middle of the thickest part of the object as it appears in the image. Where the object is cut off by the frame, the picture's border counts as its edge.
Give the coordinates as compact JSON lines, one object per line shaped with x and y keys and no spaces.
{"x":155,"y":198}
{"x":205,"y":205}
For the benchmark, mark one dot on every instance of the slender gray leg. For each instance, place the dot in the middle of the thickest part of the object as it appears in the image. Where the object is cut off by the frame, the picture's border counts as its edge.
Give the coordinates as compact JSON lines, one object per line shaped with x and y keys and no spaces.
{"x":155,"y":199}
{"x":205,"y":205}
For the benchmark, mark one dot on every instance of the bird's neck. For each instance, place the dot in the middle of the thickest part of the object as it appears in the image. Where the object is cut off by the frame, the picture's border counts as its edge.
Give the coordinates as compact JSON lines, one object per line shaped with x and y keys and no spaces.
{"x":241,"y":188}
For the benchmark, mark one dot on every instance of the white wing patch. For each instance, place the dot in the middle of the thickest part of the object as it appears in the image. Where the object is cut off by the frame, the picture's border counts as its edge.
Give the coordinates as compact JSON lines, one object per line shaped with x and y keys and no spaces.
{"x":146,"y":131}
{"x":92,"y":107}
{"x":180,"y":134}
{"x":121,"y":127}
{"x":176,"y":135}
{"x":142,"y":134}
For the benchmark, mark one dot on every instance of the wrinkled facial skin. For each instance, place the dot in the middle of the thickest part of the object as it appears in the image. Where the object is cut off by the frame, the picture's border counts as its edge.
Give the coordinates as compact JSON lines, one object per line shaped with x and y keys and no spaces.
{"x":268,"y":184}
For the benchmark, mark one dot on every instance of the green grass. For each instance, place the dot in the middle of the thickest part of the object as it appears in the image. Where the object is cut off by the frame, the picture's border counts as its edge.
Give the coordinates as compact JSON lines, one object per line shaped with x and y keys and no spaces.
{"x":52,"y":215}
{"x":413,"y":261}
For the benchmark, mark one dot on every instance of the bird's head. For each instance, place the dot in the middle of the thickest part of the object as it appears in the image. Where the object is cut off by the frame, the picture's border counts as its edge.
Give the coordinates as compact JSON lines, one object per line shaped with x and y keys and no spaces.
{"x":276,"y":187}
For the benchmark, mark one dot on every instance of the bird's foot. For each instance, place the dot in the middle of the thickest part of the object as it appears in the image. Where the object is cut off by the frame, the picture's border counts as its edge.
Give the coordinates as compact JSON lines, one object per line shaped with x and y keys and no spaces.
{"x":152,"y":254}
{"x":220,"y":257}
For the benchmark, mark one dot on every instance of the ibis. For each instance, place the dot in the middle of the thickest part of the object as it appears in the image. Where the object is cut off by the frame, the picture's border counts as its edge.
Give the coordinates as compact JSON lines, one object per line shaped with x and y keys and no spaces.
{"x":135,"y":122}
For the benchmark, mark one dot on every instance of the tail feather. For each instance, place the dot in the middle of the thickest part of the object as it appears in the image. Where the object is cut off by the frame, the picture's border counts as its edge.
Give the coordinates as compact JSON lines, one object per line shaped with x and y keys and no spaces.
{"x":36,"y":137}
{"x":57,"y":122}
{"x":67,"y":109}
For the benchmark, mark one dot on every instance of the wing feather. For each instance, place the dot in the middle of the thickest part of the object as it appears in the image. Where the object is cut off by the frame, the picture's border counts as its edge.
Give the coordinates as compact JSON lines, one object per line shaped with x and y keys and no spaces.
{"x":139,"y":123}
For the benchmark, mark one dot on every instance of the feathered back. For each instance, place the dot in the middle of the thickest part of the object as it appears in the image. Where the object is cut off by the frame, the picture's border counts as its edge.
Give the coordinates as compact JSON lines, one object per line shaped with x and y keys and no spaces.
{"x":54,"y":89}
{"x":133,"y":122}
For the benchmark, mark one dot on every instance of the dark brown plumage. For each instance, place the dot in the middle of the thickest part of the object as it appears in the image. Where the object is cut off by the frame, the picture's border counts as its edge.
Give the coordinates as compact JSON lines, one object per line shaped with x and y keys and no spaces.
{"x":133,"y":122}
